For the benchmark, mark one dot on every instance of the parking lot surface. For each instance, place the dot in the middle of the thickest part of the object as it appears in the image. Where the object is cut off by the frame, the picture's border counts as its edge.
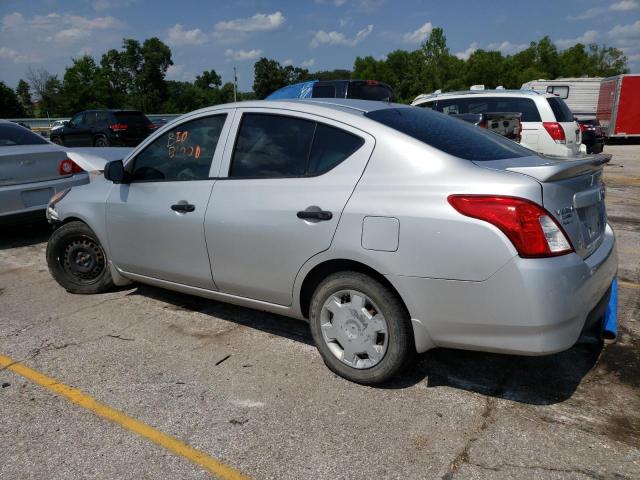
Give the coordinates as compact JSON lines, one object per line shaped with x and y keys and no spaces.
{"x":248,"y":389}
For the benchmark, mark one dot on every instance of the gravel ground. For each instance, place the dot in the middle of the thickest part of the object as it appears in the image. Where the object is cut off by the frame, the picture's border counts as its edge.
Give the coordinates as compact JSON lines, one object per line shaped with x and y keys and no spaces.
{"x":249,"y":389}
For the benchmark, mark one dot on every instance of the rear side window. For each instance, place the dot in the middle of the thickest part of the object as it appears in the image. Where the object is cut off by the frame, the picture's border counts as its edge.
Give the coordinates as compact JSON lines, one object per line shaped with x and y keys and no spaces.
{"x":370,"y":91}
{"x":560,"y":110}
{"x":330,"y":147}
{"x":12,"y":134}
{"x":450,"y":135}
{"x":324,"y":91}
{"x":183,"y":153}
{"x":456,"y":106}
{"x":278,"y":146}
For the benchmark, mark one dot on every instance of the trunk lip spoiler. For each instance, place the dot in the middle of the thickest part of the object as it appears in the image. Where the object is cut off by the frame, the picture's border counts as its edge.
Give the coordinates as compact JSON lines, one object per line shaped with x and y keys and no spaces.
{"x":559,"y":168}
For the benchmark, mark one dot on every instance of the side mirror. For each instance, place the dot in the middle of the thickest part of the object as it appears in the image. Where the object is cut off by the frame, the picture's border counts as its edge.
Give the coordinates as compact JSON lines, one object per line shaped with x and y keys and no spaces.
{"x":114,"y":171}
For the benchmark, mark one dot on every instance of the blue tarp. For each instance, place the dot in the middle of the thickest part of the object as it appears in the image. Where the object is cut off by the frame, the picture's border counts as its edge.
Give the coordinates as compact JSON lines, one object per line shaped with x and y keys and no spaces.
{"x":297,"y":90}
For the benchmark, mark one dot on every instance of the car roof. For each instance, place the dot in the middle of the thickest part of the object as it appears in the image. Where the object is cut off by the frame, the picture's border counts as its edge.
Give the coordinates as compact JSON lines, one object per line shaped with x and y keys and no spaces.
{"x":486,"y":93}
{"x":313,"y":105}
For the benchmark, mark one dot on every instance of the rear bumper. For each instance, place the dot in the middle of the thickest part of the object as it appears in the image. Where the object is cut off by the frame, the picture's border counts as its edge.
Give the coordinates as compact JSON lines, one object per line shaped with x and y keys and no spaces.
{"x":27,"y":198}
{"x":528,"y":307}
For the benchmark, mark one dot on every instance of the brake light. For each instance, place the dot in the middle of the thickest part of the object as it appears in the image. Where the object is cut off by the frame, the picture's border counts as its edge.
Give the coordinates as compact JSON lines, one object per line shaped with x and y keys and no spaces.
{"x":531,"y":229}
{"x":483,"y":124}
{"x":118,"y":127}
{"x":152,"y":126}
{"x":556,"y":131}
{"x":371,"y":82}
{"x":582,"y":127}
{"x":69,"y":167}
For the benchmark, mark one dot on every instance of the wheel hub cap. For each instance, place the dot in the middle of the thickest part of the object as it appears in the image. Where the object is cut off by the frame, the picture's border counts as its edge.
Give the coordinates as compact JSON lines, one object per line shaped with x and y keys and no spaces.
{"x":354,"y":329}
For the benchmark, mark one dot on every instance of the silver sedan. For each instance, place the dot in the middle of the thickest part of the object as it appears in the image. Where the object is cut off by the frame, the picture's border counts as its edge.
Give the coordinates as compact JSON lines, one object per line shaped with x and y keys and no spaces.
{"x":32,"y":170}
{"x":390,"y":229}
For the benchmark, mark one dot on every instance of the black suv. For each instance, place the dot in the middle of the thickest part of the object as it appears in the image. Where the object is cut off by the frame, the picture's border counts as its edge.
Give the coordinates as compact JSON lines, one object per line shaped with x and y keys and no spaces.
{"x":103,"y":128}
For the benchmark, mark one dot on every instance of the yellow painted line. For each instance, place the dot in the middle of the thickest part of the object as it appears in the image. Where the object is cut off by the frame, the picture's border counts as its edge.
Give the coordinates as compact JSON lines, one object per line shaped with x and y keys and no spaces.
{"x":79,"y":398}
{"x":624,"y":284}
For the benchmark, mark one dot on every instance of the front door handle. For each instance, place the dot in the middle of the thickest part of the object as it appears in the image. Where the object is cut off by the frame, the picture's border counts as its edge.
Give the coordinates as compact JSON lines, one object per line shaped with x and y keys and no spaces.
{"x":320,"y":215}
{"x":183,"y":207}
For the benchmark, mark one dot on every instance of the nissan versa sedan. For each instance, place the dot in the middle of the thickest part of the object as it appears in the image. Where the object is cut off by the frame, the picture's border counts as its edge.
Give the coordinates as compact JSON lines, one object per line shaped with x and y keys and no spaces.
{"x":390,"y":229}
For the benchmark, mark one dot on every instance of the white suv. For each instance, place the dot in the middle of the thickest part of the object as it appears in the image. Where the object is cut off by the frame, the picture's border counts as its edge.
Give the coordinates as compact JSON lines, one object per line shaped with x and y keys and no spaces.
{"x":548,"y":126}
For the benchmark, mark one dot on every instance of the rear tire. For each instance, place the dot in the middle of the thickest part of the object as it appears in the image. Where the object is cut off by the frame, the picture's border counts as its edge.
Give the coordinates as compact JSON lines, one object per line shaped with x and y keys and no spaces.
{"x":101,"y":142}
{"x":57,"y":140}
{"x":77,"y":261}
{"x":369,"y":320}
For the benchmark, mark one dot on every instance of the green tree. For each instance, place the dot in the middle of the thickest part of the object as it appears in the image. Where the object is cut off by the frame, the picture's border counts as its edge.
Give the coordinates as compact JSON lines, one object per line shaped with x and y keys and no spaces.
{"x":10,"y":106}
{"x":268,"y":77}
{"x":209,"y":79}
{"x":484,"y":67}
{"x":80,"y":88}
{"x":24,"y":96}
{"x":48,"y":92}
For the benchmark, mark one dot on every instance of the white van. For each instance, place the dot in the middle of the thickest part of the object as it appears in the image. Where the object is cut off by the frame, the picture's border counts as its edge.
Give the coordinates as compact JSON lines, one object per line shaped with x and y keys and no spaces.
{"x":548,"y":126}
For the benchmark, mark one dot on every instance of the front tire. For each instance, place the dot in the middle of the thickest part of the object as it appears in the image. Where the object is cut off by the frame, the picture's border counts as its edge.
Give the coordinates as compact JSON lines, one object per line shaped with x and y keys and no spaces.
{"x":77,"y":260}
{"x":57,"y":140}
{"x":361,"y":328}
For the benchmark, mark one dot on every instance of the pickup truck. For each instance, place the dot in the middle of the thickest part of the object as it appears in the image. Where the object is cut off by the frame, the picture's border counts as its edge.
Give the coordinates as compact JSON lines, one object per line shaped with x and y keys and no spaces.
{"x":506,"y":124}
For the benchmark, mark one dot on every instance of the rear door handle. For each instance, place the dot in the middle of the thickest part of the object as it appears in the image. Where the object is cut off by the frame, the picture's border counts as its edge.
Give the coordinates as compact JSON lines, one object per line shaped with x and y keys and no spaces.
{"x":183,"y":207}
{"x":315,"y":215}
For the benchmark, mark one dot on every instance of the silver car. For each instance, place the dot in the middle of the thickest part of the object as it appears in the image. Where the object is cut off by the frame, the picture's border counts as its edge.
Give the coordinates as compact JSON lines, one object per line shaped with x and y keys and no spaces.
{"x":32,"y":170}
{"x":390,"y":229}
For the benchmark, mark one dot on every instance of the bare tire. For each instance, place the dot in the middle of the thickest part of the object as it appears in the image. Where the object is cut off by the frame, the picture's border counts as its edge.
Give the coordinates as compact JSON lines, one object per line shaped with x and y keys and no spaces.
{"x":101,"y":142}
{"x":77,"y":260}
{"x":361,"y":328}
{"x":57,"y":140}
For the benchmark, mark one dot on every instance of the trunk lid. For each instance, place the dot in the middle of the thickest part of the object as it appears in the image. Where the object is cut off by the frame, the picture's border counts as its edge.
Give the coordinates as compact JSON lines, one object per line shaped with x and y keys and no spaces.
{"x":572,"y":191}
{"x":29,"y":163}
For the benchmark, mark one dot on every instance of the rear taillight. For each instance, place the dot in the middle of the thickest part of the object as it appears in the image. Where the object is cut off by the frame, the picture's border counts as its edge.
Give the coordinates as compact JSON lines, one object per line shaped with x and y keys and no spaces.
{"x":152,"y":126}
{"x":69,"y":167}
{"x":556,"y":131}
{"x":118,"y":127}
{"x":531,"y":229}
{"x":482,"y":124}
{"x":582,"y":127}
{"x":371,"y":82}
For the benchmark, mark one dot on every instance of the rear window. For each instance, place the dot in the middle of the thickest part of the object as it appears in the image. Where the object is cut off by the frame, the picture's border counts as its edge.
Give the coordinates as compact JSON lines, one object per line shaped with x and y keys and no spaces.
{"x":131,"y":118}
{"x":370,"y":91}
{"x":450,"y":135}
{"x":560,"y":110}
{"x":11,"y":134}
{"x":456,"y":106}
{"x":324,"y":91}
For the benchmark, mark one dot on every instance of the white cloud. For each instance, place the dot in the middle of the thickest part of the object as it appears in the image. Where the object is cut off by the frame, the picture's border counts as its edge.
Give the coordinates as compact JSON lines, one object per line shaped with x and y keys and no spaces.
{"x":467,"y":53}
{"x":417,"y":36}
{"x":586,"y":38}
{"x":337,"y":38}
{"x":241,"y":55}
{"x":309,"y":63}
{"x":177,"y":35}
{"x":507,"y":48}
{"x":287,"y":62}
{"x":12,"y":20}
{"x":7,"y":53}
{"x":175,"y":72}
{"x":260,"y":22}
{"x":624,"y":6}
{"x":362,"y":4}
{"x":626,"y":32}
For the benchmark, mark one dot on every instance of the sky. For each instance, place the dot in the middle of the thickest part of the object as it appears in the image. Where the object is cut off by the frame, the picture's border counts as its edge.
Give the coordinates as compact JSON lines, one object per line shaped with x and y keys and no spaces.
{"x":314,"y":34}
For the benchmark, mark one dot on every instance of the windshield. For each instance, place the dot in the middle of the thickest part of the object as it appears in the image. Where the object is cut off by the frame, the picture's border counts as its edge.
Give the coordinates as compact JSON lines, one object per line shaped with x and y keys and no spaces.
{"x":450,"y":135}
{"x":12,"y":134}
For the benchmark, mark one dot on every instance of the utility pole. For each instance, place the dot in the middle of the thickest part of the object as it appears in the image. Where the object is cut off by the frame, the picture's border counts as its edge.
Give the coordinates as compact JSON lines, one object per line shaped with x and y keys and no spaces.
{"x":235,"y":85}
